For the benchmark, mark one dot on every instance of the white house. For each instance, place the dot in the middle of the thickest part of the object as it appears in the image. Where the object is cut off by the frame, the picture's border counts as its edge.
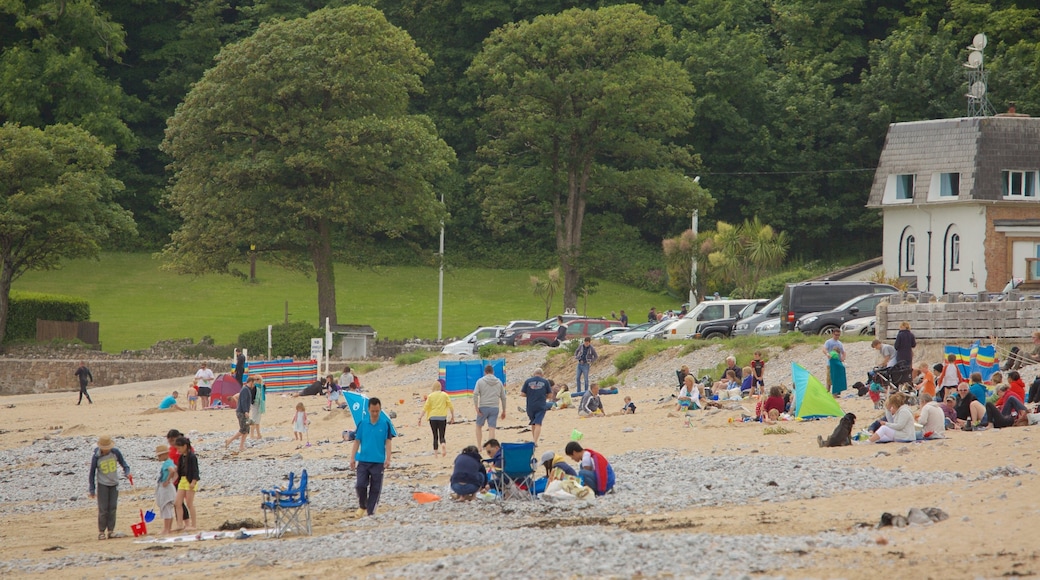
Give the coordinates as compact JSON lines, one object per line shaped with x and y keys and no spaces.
{"x":959,"y":200}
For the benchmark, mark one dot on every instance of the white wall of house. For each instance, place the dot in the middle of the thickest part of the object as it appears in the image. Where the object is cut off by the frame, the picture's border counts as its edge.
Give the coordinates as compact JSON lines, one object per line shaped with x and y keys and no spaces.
{"x":955,"y":258}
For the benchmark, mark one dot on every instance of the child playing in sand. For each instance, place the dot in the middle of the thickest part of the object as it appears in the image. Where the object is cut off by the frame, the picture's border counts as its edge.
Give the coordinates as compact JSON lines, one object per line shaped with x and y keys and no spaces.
{"x":332,"y":396}
{"x":629,"y":408}
{"x":193,"y":396}
{"x":299,"y":423}
{"x":564,"y":399}
{"x":165,"y":488}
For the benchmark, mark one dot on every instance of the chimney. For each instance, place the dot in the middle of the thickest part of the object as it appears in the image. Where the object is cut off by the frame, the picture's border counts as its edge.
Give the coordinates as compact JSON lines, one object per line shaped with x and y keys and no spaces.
{"x":1011,"y":108}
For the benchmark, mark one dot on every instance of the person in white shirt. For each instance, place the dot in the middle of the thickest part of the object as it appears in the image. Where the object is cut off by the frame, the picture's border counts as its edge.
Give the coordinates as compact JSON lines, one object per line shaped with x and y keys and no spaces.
{"x":204,"y":378}
{"x":932,"y":418}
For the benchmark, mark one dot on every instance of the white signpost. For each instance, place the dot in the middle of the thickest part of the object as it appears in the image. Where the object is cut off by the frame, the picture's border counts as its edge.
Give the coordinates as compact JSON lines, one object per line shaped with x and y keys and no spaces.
{"x":317,"y":348}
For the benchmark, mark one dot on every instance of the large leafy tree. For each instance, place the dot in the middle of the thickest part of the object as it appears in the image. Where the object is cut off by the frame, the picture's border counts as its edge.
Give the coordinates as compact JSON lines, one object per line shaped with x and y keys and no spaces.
{"x":55,"y":201}
{"x":299,"y":140}
{"x":581,"y":111}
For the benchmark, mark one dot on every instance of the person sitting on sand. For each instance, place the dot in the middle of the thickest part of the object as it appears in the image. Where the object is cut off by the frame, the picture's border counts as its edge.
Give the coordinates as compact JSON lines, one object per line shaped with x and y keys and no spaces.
{"x":931,"y":418}
{"x":170,"y":402}
{"x":898,"y":424}
{"x":775,"y":401}
{"x":1010,"y":411}
{"x":594,"y":469}
{"x":556,"y":467}
{"x":469,"y":476}
{"x":689,"y":396}
{"x":1016,"y":385}
{"x":969,"y":409}
{"x":591,"y":405}
{"x":949,"y":409}
{"x":629,"y":408}
{"x":563,"y":398}
{"x":682,"y":373}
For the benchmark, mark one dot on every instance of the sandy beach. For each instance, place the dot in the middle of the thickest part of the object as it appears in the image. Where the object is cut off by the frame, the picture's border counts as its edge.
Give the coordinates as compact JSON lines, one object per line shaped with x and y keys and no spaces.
{"x":717,"y":498}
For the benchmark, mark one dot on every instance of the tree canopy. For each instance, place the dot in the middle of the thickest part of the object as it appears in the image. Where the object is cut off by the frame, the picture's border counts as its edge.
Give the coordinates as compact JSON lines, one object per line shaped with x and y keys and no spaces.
{"x":581,"y":110}
{"x":56,"y":201}
{"x":299,"y":141}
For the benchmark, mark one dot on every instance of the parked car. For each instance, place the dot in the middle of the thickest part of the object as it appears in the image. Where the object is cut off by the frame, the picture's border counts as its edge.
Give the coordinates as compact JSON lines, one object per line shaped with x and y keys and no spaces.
{"x":826,"y":321}
{"x":511,"y":326}
{"x":508,"y":337}
{"x":749,"y":318}
{"x":638,"y":333}
{"x":863,"y":325}
{"x":468,"y":344}
{"x":805,"y":297}
{"x":579,"y":328}
{"x":768,"y":327}
{"x":723,"y":327}
{"x":607,"y":333}
{"x":681,"y":328}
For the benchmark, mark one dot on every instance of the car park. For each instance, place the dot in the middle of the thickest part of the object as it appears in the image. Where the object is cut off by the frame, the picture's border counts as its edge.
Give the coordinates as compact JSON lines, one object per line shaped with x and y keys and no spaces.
{"x":579,"y":328}
{"x":751,"y":316}
{"x":807,"y":297}
{"x":863,"y":325}
{"x":826,"y":321}
{"x":681,"y":328}
{"x":723,"y":327}
{"x":509,"y":336}
{"x":468,"y":344}
{"x":637,"y":334}
{"x":606,"y":334}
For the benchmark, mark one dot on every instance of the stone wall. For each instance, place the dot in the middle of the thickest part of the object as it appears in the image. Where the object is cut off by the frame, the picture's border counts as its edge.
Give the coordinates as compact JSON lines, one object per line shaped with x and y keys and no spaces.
{"x":21,"y":376}
{"x":1014,"y":320}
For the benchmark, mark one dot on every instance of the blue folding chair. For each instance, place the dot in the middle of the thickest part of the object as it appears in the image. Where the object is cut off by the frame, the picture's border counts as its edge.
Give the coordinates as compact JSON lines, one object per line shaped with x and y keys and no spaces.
{"x":518,"y":466}
{"x":291,"y":509}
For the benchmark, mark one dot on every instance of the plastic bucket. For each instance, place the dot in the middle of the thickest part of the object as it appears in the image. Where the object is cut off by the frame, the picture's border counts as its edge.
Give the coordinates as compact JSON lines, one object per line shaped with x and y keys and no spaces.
{"x":576,"y":435}
{"x":139,"y":529}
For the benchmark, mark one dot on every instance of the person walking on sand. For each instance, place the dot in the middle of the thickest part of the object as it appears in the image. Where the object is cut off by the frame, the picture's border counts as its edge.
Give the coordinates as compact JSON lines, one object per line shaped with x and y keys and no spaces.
{"x":370,"y":456}
{"x":85,"y":378}
{"x":833,"y":344}
{"x":187,"y":484}
{"x":488,"y":394}
{"x":259,"y":405}
{"x":585,"y":355}
{"x":436,"y":409}
{"x":104,"y":483}
{"x":204,"y":378}
{"x":538,"y":393}
{"x":299,"y":423}
{"x":245,"y":399}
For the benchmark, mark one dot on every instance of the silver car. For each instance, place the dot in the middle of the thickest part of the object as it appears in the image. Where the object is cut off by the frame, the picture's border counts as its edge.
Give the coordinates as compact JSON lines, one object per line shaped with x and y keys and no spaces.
{"x":863,"y":325}
{"x":749,"y":319}
{"x":770,"y":327}
{"x":468,"y":345}
{"x":627,"y":337}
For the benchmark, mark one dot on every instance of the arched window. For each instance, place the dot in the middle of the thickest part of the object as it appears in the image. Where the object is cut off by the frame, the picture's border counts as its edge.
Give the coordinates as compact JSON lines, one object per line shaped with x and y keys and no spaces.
{"x":955,"y":251}
{"x":909,"y":253}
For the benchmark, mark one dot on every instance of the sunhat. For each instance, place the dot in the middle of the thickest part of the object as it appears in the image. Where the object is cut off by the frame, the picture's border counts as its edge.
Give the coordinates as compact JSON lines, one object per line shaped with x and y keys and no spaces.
{"x":162,"y":450}
{"x":105,"y":443}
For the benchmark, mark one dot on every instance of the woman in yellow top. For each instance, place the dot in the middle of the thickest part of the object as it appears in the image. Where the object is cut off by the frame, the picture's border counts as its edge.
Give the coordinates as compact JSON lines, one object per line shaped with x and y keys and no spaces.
{"x":438,"y":405}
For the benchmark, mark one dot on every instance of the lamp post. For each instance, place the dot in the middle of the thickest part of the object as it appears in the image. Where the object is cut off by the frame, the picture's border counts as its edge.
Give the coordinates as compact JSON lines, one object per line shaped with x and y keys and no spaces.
{"x":440,"y":284}
{"x":693,"y":265}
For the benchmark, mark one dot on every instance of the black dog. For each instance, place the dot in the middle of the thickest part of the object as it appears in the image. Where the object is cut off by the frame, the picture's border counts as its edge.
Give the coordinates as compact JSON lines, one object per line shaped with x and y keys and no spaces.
{"x":842,"y":435}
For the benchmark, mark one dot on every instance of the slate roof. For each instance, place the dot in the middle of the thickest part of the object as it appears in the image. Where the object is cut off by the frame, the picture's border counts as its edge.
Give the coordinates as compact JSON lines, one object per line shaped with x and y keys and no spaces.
{"x":978,"y":148}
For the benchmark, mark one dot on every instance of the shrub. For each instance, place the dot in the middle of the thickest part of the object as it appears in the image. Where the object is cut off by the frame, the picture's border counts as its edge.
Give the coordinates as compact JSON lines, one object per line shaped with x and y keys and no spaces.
{"x":492,"y":350}
{"x":287,"y":340}
{"x":773,"y":286}
{"x":25,"y":307}
{"x":608,"y":381}
{"x":639,"y":351}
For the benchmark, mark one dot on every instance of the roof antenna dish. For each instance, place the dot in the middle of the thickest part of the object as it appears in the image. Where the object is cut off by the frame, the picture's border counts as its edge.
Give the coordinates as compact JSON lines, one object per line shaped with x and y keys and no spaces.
{"x":978,"y":104}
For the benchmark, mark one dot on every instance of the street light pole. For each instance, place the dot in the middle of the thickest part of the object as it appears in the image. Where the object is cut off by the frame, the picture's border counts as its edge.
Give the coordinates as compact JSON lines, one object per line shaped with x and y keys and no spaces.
{"x":693,"y":265}
{"x":440,"y":285}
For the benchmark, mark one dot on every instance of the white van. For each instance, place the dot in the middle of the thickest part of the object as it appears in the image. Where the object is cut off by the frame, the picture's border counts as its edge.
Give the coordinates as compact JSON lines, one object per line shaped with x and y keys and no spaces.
{"x":707,"y":310}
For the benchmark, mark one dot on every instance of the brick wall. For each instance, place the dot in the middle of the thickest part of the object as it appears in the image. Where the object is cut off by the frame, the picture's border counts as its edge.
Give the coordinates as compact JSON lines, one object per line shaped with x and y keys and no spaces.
{"x":997,"y":246}
{"x":1013,"y":321}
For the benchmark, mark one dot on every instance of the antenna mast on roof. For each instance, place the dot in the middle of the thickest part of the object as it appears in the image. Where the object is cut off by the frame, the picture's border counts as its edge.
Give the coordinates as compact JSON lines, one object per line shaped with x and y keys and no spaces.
{"x":978,"y":103}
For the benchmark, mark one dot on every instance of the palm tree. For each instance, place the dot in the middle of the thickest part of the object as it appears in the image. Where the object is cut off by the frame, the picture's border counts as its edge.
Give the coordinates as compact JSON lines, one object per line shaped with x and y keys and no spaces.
{"x":745,"y":254}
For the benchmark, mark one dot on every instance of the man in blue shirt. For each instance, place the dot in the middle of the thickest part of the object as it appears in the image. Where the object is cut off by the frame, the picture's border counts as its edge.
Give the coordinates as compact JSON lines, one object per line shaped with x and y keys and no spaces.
{"x":170,"y":402}
{"x":370,"y":456}
{"x":538,"y":391}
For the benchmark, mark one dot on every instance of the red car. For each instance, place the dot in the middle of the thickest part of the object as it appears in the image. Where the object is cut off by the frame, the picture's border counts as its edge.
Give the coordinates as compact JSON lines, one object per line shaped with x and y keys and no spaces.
{"x":578,"y":328}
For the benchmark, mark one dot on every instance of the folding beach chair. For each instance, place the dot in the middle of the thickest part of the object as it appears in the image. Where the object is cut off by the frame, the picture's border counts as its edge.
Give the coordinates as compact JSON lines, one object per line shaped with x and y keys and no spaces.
{"x":290,"y":508}
{"x":518,"y":465}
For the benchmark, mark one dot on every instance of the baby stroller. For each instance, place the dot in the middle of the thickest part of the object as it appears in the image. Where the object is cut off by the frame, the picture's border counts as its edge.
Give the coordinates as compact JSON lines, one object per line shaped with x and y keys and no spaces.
{"x":884,"y":381}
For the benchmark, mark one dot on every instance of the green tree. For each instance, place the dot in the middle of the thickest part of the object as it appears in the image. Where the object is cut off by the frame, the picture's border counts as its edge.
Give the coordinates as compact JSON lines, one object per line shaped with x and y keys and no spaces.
{"x":546,"y":288}
{"x":746,"y":253}
{"x":580,"y":112}
{"x":55,"y":201}
{"x":300,"y":139}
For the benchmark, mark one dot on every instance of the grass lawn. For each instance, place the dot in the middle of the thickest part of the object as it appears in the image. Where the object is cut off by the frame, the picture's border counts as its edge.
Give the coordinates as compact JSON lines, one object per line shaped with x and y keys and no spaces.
{"x":138,"y":304}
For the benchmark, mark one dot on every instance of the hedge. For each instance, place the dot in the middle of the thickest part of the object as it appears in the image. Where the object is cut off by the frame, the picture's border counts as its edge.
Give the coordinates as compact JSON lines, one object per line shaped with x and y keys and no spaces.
{"x":26,"y":307}
{"x":287,"y":340}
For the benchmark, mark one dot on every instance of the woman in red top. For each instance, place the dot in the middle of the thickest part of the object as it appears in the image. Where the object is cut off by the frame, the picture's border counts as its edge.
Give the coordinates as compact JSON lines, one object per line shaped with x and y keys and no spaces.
{"x":1016,"y":386}
{"x":775,"y":401}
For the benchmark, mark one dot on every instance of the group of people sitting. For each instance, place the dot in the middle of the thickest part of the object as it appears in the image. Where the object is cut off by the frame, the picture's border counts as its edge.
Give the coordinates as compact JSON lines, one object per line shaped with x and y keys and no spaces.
{"x":736,"y":383}
{"x":473,"y":474}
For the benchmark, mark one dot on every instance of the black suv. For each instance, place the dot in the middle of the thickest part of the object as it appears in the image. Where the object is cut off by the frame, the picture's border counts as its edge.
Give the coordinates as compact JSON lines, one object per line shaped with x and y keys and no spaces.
{"x":509,"y":337}
{"x":825,"y":322}
{"x":809,"y":297}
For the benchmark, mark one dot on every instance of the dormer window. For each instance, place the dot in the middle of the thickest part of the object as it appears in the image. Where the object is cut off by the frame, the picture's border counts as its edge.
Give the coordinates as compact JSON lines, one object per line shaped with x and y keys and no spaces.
{"x":904,"y":187}
{"x":949,"y":185}
{"x":1018,"y":184}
